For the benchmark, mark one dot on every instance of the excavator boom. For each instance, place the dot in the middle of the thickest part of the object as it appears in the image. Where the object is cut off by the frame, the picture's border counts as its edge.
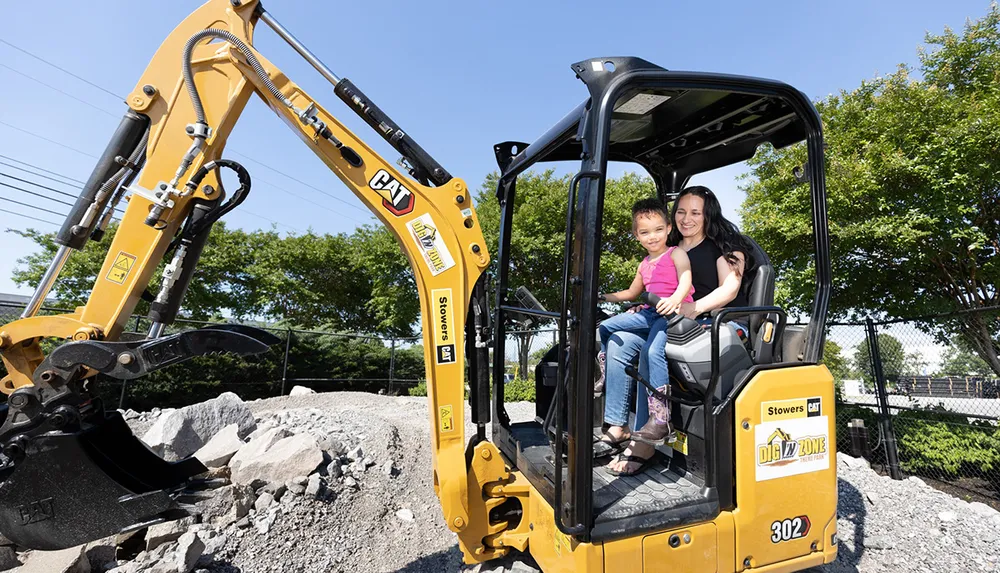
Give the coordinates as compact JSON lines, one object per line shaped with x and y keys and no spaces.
{"x":164,"y":162}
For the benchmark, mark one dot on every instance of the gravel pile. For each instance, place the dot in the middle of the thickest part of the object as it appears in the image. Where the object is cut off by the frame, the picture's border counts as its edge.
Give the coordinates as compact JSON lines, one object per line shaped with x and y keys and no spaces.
{"x":904,"y":526}
{"x":342,"y":482}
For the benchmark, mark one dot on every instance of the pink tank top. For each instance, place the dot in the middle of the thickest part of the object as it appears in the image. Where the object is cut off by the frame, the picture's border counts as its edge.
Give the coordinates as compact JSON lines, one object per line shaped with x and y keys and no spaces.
{"x":660,"y":276}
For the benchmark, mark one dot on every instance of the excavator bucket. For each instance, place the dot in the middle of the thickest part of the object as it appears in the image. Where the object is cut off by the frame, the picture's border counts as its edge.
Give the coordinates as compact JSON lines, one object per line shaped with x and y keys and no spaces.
{"x":71,"y":488}
{"x":73,"y":472}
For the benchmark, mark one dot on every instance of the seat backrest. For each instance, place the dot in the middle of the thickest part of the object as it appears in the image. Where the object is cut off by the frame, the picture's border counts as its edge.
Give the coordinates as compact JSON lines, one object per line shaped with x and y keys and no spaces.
{"x":758,"y":284}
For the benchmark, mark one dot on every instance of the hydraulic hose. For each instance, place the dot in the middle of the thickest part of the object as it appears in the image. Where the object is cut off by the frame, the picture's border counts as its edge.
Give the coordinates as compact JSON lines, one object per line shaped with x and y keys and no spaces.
{"x":240,"y":45}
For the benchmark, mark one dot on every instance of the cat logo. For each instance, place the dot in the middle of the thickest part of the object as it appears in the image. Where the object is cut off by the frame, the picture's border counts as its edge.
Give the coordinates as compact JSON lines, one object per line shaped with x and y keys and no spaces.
{"x":396,"y":198}
{"x":781,"y":449}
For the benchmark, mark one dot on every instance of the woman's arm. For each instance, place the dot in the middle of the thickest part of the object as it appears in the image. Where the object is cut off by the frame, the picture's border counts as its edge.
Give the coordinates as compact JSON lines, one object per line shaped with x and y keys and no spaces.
{"x":634,"y":290}
{"x":683,"y":265}
{"x":729,"y":286}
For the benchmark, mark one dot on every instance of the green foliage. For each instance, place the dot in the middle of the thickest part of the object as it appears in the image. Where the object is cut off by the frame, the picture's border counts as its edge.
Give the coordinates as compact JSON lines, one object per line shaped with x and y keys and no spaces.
{"x":419,"y":390}
{"x":913,"y":178}
{"x":895,"y":361}
{"x":935,"y":442}
{"x":519,"y":390}
{"x":932,"y":441}
{"x":960,"y":360}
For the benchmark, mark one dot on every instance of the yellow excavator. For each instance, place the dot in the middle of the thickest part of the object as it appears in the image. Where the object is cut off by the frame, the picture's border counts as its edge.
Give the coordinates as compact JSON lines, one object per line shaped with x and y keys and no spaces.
{"x":750,"y":483}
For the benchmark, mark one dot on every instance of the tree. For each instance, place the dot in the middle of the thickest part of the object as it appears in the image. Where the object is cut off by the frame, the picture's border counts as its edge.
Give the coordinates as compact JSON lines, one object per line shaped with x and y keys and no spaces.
{"x":959,"y":360}
{"x":539,"y":233}
{"x":896,"y":362}
{"x":913,"y":177}
{"x":835,"y":361}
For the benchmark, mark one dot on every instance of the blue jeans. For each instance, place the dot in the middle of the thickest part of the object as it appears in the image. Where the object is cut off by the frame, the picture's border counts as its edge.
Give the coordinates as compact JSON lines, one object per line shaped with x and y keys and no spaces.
{"x":622,"y":338}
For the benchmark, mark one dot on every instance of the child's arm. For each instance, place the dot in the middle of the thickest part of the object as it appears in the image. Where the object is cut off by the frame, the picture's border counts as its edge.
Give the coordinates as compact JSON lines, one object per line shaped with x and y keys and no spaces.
{"x":682,"y":263}
{"x":634,"y":290}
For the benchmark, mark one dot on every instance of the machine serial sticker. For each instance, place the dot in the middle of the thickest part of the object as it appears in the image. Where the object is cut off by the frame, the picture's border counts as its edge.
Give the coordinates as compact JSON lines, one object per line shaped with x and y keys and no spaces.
{"x":791,"y":409}
{"x":792,"y":447}
{"x":396,"y":198}
{"x":444,"y":326}
{"x":120,"y":270}
{"x":681,"y":443}
{"x":447,"y":417}
{"x":431,"y":245}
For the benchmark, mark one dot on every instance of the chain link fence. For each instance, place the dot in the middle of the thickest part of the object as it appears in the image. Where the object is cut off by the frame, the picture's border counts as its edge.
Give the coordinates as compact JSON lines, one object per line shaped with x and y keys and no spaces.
{"x":321,"y":360}
{"x":917,"y":397}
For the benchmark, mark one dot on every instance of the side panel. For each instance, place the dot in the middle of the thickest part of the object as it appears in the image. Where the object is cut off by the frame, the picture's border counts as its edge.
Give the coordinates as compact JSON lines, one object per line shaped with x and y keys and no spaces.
{"x":786,"y":478}
{"x":691,"y":549}
{"x":558,"y":553}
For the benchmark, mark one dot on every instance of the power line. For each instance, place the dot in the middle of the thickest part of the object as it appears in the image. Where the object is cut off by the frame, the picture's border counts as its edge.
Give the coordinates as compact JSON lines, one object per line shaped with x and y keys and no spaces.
{"x":300,"y":182}
{"x":30,"y":206}
{"x":14,"y":127}
{"x":42,"y":195}
{"x":65,"y":71}
{"x":19,"y":168}
{"x":67,"y":94}
{"x":29,"y":217}
{"x":70,"y":195}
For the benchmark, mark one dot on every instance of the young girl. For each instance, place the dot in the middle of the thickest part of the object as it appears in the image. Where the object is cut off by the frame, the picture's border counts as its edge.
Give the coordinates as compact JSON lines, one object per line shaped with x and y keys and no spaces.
{"x":666,"y":272}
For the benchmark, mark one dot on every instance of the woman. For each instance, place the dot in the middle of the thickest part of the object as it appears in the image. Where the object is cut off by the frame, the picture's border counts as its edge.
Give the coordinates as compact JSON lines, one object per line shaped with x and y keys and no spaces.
{"x":718,"y":256}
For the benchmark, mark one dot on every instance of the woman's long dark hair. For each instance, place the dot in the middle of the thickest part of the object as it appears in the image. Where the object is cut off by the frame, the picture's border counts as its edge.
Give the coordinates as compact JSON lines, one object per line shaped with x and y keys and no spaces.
{"x":718,"y":229}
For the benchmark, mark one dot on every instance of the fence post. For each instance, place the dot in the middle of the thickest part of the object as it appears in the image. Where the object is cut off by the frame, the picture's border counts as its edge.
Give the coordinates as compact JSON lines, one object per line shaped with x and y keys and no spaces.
{"x":392,"y":362}
{"x":284,"y":365}
{"x":889,"y":435}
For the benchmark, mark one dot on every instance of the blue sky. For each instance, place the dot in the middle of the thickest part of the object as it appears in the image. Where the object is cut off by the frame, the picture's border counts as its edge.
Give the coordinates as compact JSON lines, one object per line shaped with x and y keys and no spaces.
{"x":458,"y":77}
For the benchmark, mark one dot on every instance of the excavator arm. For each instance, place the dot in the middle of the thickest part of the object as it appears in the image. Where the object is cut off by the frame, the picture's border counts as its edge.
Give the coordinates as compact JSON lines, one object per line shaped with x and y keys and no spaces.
{"x":75,"y":472}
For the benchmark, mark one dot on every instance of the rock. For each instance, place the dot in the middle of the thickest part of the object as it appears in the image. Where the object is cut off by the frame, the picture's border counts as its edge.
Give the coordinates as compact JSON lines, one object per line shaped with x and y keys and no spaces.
{"x":355,"y":454}
{"x":183,"y":432}
{"x":258,"y":446}
{"x":214,"y":542}
{"x":333,"y":470}
{"x":264,"y":522}
{"x":70,"y":560}
{"x":315,"y":486}
{"x":350,"y":482}
{"x":275,"y":489}
{"x":368,"y":462}
{"x":916,"y":480}
{"x":166,"y":532}
{"x":288,"y":458}
{"x":981,"y":508}
{"x":183,"y":558}
{"x":296,"y":489}
{"x":227,"y":505}
{"x":221,"y":448}
{"x":947,"y":516}
{"x":405,"y":515}
{"x":301,"y":391}
{"x":387,"y":468}
{"x":879,"y":542}
{"x":522,"y":567}
{"x":263,"y":502}
{"x":261,"y":428}
{"x":872,"y":497}
{"x":243,"y":522}
{"x":8,"y":558}
{"x":852,"y":462}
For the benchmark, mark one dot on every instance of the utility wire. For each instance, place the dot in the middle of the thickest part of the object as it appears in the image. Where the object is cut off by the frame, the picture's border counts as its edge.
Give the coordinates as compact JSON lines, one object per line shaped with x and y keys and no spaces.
{"x":65,"y":71}
{"x":70,"y":195}
{"x":19,"y":168}
{"x":29,"y":217}
{"x":30,"y":206}
{"x":42,"y":195}
{"x":14,"y":127}
{"x":67,"y":94}
{"x":109,"y":92}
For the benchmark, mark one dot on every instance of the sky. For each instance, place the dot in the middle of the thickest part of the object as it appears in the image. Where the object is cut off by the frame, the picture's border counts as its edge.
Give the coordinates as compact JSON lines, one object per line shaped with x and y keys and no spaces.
{"x":457,"y":76}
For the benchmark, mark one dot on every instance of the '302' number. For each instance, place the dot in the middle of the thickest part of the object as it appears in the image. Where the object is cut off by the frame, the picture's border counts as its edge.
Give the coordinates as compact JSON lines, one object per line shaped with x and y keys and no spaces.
{"x":789,"y":529}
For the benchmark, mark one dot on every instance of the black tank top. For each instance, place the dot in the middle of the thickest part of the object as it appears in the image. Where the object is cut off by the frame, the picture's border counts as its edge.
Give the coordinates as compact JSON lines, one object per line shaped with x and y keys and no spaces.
{"x":705,"y":275}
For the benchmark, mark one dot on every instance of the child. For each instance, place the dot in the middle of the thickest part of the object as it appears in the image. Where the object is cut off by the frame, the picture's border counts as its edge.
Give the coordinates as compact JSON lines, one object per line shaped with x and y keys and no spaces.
{"x":665,"y":272}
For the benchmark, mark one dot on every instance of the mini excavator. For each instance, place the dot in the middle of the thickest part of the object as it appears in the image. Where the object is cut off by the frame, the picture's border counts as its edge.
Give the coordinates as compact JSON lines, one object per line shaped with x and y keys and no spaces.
{"x":749,"y":485}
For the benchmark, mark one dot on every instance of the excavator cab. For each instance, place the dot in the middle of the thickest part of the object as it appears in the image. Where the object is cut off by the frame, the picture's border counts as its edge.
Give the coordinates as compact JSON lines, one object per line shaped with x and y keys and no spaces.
{"x":710,"y":501}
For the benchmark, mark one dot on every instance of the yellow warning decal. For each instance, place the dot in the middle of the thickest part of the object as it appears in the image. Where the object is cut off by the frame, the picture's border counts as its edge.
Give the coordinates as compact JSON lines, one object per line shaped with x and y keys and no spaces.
{"x":447,"y":416}
{"x":681,"y":443}
{"x":120,"y":270}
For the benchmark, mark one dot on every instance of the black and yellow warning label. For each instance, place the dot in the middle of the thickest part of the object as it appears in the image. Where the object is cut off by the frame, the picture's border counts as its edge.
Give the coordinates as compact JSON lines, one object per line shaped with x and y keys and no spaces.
{"x":446,"y":415}
{"x":444,"y":326}
{"x":791,"y":409}
{"x":120,"y":270}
